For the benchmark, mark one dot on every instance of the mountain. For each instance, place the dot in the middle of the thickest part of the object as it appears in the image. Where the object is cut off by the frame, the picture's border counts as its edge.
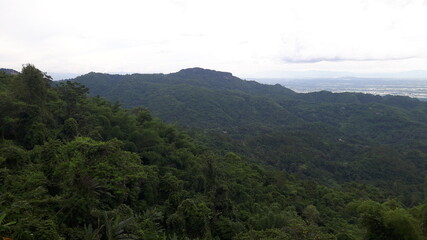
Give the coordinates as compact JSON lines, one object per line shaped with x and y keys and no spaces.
{"x":328,"y":137}
{"x":75,"y":167}
{"x":80,"y":167}
{"x":193,"y":97}
{"x":9,"y":71}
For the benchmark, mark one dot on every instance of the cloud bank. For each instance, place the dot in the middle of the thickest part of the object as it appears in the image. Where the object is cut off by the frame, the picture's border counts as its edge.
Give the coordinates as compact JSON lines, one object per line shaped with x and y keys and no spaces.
{"x":243,"y":37}
{"x":360,"y":31}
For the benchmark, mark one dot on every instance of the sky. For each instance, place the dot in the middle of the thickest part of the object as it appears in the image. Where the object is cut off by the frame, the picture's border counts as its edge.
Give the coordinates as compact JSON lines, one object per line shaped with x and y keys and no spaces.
{"x":268,"y":38}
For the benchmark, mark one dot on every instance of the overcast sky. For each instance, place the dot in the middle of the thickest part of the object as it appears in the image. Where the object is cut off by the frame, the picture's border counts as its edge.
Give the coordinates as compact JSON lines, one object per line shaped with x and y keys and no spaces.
{"x":248,"y":38}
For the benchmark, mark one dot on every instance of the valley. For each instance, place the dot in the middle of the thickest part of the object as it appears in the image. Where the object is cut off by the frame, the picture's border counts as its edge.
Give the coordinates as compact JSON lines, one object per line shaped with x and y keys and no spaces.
{"x":415,"y":88}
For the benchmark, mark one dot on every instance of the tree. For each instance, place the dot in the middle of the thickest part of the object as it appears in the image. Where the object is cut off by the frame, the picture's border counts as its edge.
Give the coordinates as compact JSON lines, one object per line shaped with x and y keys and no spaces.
{"x":142,"y":115}
{"x":32,"y":85}
{"x":73,"y":94}
{"x":311,"y":214}
{"x":5,"y":226}
{"x":92,"y":234}
{"x":385,"y":223}
{"x":115,"y":228}
{"x":70,"y":129}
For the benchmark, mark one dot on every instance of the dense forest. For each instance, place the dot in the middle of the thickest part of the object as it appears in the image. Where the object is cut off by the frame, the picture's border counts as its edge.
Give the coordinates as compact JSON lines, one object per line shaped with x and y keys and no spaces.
{"x":332,"y":138}
{"x":248,"y":161}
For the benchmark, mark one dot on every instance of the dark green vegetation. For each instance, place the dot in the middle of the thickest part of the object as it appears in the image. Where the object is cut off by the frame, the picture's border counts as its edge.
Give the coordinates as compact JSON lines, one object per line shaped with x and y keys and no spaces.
{"x":79,"y":167}
{"x":326,"y":137}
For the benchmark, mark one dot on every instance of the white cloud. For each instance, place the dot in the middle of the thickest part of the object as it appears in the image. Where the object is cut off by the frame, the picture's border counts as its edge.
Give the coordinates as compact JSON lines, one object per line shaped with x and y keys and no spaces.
{"x":245,"y":37}
{"x":355,"y":32}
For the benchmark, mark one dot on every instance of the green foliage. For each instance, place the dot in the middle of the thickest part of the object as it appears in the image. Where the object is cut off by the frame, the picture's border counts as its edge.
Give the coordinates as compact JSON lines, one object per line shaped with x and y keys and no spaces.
{"x":32,"y":85}
{"x":91,"y":234}
{"x":385,"y":221}
{"x":115,"y":228}
{"x":311,"y":214}
{"x":76,"y":167}
{"x":14,"y":156}
{"x":5,"y":226}
{"x":329,"y":137}
{"x":74,"y":96}
{"x":70,"y":129}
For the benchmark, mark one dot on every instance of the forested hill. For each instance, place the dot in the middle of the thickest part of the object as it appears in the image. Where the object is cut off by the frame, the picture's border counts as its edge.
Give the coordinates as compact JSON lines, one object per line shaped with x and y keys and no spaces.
{"x":197,"y":77}
{"x":192,"y":97}
{"x":204,"y":98}
{"x":9,"y":71}
{"x":78,"y":167}
{"x":324,"y":136}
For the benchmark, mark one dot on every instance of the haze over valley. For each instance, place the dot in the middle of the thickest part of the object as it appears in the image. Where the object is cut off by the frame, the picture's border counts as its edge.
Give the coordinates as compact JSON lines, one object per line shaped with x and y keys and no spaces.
{"x":415,"y":88}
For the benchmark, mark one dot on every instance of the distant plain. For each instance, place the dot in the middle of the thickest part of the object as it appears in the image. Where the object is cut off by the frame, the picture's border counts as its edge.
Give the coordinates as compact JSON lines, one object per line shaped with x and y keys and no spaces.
{"x":416,"y":88}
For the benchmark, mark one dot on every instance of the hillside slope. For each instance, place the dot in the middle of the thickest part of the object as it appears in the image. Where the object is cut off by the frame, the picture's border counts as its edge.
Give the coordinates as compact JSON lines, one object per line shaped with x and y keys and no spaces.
{"x":323,"y":136}
{"x":192,"y":97}
{"x":77,"y":167}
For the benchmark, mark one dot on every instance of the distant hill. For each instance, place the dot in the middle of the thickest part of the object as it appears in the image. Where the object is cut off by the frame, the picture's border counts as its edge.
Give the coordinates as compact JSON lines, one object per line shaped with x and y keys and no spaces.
{"x":204,"y":98}
{"x":193,"y":97}
{"x":9,"y":71}
{"x":329,"y":137}
{"x":80,"y":167}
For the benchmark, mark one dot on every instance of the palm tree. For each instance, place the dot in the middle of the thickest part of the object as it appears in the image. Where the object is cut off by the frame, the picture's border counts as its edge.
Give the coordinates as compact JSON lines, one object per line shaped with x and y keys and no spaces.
{"x":4,"y":227}
{"x":115,"y":228}
{"x":92,"y":234}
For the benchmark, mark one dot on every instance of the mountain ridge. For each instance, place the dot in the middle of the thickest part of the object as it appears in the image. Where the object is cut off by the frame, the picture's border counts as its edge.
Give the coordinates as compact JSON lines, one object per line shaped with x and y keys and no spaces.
{"x":310,"y":134}
{"x":214,"y":90}
{"x":84,"y":166}
{"x":9,"y":71}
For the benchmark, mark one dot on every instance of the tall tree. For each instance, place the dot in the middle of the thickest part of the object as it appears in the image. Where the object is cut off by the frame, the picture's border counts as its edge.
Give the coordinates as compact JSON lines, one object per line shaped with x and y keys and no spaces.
{"x":32,"y":85}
